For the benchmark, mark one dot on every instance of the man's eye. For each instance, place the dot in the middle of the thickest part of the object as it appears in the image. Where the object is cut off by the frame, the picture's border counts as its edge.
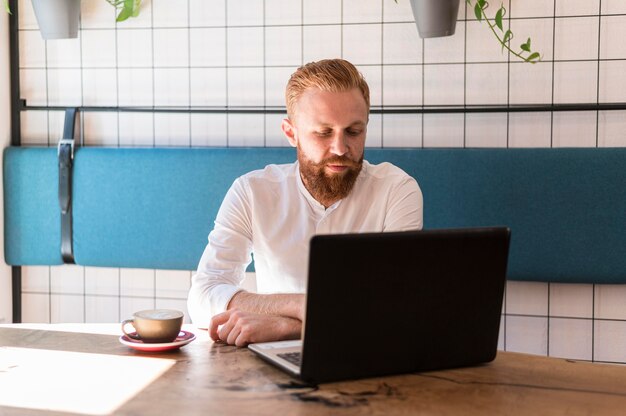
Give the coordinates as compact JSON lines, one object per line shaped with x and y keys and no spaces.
{"x":354,"y":132}
{"x":322,"y":133}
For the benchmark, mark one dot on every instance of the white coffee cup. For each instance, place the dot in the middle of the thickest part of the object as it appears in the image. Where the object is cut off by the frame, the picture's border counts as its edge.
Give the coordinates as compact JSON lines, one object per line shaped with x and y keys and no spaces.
{"x":154,"y":325}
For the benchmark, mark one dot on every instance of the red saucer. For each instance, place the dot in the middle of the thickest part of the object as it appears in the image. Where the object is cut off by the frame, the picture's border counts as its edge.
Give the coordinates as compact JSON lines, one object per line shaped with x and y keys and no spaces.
{"x":183,"y":338}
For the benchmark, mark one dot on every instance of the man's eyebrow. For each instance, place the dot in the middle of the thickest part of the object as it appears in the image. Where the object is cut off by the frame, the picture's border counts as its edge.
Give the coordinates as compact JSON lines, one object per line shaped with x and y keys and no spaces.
{"x":353,"y":124}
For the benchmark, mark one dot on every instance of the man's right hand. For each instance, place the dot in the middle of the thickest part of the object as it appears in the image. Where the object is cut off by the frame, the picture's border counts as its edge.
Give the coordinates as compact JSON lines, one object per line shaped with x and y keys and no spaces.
{"x":240,"y":328}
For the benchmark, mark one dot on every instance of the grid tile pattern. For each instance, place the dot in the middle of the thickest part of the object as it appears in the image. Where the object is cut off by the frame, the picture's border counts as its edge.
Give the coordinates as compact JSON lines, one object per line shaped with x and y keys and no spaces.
{"x":198,"y":53}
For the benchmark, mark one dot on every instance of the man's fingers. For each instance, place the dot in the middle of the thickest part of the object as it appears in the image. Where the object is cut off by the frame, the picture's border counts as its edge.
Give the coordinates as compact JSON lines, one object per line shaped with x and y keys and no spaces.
{"x":216,"y":321}
{"x":233,"y":334}
{"x":241,"y":340}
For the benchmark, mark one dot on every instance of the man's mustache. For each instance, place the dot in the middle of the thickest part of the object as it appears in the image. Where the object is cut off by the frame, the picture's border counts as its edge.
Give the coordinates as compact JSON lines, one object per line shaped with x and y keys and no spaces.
{"x":338,"y":160}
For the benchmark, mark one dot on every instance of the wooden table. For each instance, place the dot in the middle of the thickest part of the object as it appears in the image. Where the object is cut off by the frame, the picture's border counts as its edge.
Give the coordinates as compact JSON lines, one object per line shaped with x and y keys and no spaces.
{"x":204,"y":378}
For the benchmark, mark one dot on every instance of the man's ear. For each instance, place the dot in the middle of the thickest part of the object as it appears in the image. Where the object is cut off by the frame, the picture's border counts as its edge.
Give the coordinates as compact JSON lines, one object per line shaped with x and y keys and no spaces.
{"x":290,"y":132}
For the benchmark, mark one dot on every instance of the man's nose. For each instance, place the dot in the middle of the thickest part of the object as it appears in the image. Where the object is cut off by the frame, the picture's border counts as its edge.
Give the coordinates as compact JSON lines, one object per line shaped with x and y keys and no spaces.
{"x":338,"y":145}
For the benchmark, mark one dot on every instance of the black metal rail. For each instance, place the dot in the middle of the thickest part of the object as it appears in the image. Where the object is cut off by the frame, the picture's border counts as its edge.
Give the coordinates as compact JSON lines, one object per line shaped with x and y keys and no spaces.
{"x":451,"y":109}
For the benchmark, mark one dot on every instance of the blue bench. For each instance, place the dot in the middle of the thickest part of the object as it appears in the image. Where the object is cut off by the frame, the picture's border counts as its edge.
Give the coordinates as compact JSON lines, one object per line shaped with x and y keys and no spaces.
{"x":154,"y":207}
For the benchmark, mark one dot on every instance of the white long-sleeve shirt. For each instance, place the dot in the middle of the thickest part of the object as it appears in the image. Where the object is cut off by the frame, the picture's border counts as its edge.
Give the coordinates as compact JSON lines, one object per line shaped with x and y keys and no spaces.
{"x":270,"y":213}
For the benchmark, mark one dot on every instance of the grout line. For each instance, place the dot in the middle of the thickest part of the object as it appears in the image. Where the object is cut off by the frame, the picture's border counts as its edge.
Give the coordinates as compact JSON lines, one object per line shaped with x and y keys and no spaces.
{"x":465,"y":82}
{"x":341,"y":24}
{"x":301,"y":32}
{"x":548,"y":324}
{"x":397,"y":22}
{"x":49,"y":294}
{"x":117,"y":80}
{"x":153,"y":74}
{"x":226,"y":70}
{"x":505,"y":315}
{"x":264,"y":76}
{"x":119,"y":294}
{"x":598,"y":70}
{"x":593,"y":322}
{"x":448,"y":63}
{"x":508,"y":85}
{"x":382,"y":74}
{"x":104,"y":296}
{"x":552,"y":81}
{"x":189,"y":70}
{"x":423,"y":116}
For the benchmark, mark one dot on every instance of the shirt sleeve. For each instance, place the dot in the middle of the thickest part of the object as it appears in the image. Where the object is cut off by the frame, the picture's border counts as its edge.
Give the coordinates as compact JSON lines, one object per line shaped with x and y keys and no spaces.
{"x":405,"y":209}
{"x":223,"y":264}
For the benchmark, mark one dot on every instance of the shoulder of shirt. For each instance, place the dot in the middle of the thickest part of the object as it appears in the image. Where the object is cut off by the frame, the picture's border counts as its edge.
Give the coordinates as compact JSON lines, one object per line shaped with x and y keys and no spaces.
{"x":383,"y":170}
{"x":270,"y":173}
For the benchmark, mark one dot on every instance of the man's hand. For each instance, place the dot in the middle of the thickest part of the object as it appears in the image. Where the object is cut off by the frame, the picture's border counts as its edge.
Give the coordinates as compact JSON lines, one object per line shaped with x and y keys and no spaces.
{"x":240,"y":328}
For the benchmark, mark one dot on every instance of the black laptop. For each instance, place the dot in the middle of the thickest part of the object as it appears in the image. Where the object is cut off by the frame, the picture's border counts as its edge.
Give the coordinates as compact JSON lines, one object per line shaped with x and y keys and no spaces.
{"x":398,"y":302}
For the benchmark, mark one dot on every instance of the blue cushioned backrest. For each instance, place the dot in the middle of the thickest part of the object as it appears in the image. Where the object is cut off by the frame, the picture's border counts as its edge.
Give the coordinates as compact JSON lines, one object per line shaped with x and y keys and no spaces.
{"x":153,"y":208}
{"x":32,"y":216}
{"x":566,"y":207}
{"x":161,"y":203}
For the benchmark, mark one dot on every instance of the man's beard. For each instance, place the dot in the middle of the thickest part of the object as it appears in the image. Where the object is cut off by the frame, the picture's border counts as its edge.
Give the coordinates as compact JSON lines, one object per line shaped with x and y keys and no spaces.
{"x":328,"y":188}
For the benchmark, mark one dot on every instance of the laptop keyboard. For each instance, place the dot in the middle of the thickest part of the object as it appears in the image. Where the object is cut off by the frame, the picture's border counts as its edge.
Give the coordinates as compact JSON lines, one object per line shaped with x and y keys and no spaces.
{"x":294,"y":358}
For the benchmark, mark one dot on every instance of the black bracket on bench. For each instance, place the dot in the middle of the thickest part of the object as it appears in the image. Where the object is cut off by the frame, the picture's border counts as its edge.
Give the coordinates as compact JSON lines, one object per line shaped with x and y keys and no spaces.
{"x":66,"y":158}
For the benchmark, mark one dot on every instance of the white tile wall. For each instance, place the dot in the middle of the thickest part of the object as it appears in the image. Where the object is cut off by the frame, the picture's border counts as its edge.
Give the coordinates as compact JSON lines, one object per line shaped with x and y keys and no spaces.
{"x":134,"y":48}
{"x":203,"y":53}
{"x":576,"y":38}
{"x":612,"y":129}
{"x":402,"y":130}
{"x":446,"y":84}
{"x":530,"y":130}
{"x":530,"y":84}
{"x":401,"y":44}
{"x":486,"y":130}
{"x":442,"y":130}
{"x":571,"y":338}
{"x":575,"y":82}
{"x":574,"y":129}
{"x":320,"y":42}
{"x":290,"y":12}
{"x":610,"y":341}
{"x":449,"y":49}
{"x":577,"y":7}
{"x":571,"y":300}
{"x":527,"y":334}
{"x":402,"y":84}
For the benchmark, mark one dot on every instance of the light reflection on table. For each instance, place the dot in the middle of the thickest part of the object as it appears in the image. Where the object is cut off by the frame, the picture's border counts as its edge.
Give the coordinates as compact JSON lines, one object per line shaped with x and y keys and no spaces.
{"x":77,"y":382}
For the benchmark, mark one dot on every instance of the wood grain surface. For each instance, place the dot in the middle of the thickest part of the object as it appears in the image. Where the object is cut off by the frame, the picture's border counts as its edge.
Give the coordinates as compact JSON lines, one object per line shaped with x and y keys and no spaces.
{"x":216,"y":379}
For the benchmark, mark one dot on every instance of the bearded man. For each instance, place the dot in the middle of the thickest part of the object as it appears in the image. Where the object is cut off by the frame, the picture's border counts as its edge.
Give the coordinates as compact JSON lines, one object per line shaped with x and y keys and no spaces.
{"x":275,"y":211}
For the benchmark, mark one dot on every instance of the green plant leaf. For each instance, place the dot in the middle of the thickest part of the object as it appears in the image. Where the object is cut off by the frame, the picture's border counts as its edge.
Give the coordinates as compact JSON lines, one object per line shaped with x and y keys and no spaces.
{"x":533,"y":58}
{"x":478,"y":11}
{"x":6,"y":7}
{"x":136,"y":6}
{"x":124,"y":14}
{"x":130,"y":8}
{"x":499,"y":15}
{"x":525,"y":46}
{"x":508,"y":35}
